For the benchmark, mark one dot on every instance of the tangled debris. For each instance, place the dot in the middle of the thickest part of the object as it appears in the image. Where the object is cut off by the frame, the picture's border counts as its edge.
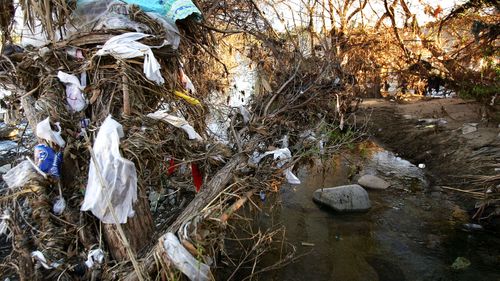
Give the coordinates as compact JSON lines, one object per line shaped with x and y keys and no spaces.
{"x":127,"y":110}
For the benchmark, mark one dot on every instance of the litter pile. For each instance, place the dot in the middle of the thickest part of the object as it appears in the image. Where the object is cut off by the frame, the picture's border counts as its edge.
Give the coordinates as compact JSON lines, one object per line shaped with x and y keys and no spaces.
{"x":121,"y":133}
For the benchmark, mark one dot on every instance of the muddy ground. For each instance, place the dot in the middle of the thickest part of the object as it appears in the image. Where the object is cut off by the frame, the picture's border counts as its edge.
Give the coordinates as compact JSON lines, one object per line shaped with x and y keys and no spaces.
{"x":431,"y":132}
{"x":438,"y":133}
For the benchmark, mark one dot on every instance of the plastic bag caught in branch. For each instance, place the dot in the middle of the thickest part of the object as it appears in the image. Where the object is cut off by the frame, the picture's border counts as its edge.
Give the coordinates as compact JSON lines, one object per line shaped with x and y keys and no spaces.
{"x":44,"y":131}
{"x":176,"y":122}
{"x":125,"y":46}
{"x":21,"y":175}
{"x":184,"y":261}
{"x":119,"y":175}
{"x":74,"y":88}
{"x":283,"y":155}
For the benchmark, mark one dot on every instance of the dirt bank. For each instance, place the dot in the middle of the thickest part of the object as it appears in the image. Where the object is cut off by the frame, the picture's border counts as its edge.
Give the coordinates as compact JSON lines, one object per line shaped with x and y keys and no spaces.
{"x":431,"y":132}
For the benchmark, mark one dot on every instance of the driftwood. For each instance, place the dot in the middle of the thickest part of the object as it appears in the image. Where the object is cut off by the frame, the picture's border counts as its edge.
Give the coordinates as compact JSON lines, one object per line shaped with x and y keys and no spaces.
{"x":208,"y":193}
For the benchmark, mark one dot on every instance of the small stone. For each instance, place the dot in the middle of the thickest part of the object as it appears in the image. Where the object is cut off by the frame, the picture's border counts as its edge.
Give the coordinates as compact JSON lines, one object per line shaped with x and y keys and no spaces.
{"x":469,"y":128}
{"x":373,"y":182}
{"x":460,"y":263}
{"x":346,"y":198}
{"x":421,"y":166}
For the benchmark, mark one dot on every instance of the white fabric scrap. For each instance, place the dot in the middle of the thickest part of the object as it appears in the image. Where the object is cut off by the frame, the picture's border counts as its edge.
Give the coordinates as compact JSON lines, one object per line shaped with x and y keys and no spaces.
{"x":44,"y":131}
{"x":40,"y":258}
{"x":119,"y":175}
{"x":283,"y":155}
{"x":74,"y":91}
{"x":177,"y":122}
{"x":4,"y":226}
{"x":184,"y":261}
{"x":94,"y":256}
{"x":125,"y":46}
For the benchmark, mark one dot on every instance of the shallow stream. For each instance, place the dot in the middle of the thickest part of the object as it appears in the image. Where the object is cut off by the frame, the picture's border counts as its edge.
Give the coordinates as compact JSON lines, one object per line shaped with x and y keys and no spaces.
{"x":410,"y":233}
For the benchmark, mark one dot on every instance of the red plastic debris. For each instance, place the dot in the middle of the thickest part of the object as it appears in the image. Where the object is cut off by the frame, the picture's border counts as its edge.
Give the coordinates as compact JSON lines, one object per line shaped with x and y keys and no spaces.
{"x":197,"y":179}
{"x":171,"y":167}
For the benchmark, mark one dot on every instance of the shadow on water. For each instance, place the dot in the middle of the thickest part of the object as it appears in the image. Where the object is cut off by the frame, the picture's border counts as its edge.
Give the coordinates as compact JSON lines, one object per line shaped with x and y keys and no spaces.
{"x":408,"y":234}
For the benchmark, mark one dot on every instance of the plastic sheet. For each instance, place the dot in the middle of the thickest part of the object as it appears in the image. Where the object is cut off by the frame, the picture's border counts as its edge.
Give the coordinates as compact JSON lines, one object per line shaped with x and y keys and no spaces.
{"x":20,"y":175}
{"x":125,"y":46}
{"x":173,"y":9}
{"x":74,"y":91}
{"x":118,"y":173}
{"x":184,"y":261}
{"x":44,"y":131}
{"x":176,"y":122}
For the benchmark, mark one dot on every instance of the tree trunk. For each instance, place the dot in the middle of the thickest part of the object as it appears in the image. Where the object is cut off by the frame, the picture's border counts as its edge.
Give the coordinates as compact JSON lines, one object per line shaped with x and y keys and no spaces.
{"x":213,"y":188}
{"x":138,"y":230}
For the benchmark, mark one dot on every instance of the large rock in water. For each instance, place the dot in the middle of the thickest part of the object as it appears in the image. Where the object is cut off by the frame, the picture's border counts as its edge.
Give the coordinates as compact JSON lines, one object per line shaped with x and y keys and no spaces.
{"x":370,"y":181}
{"x":346,"y":198}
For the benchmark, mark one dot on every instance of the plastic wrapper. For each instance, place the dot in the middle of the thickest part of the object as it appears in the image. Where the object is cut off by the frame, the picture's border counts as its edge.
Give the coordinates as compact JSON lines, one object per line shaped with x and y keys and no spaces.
{"x":48,"y":161}
{"x":176,"y":122}
{"x":119,"y":176}
{"x":20,"y":175}
{"x":184,"y":261}
{"x":74,"y":91}
{"x":40,"y":258}
{"x":44,"y":131}
{"x":125,"y":46}
{"x":59,"y":206}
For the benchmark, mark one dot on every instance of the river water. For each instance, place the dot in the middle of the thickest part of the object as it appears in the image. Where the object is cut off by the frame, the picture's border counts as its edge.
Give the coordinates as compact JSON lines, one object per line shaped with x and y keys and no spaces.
{"x":410,"y":233}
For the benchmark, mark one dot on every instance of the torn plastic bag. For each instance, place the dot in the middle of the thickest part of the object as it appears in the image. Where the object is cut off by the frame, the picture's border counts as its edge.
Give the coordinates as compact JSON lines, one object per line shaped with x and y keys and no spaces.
{"x":44,"y":131}
{"x":173,"y":9}
{"x":125,"y":46}
{"x":94,"y":256}
{"x":283,"y":155}
{"x":186,"y":82}
{"x":48,"y":161}
{"x":118,"y":173}
{"x":59,"y":206}
{"x":40,"y":258}
{"x":21,"y":174}
{"x":177,"y":122}
{"x":104,"y":15}
{"x":184,"y":261}
{"x":74,"y":94}
{"x":172,"y":34}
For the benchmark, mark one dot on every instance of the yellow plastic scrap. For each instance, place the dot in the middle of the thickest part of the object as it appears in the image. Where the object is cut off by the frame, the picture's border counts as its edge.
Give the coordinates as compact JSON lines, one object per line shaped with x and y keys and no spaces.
{"x":189,"y":99}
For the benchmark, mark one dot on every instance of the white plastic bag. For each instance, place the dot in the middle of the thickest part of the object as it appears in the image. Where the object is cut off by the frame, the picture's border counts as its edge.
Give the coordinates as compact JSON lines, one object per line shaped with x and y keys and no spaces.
{"x":74,"y":94}
{"x":20,"y":175}
{"x":283,"y":155}
{"x":94,"y":256}
{"x":44,"y":131}
{"x":184,"y":261}
{"x":59,"y":206}
{"x":186,"y":81}
{"x":176,"y":122}
{"x":119,"y":175}
{"x":125,"y":46}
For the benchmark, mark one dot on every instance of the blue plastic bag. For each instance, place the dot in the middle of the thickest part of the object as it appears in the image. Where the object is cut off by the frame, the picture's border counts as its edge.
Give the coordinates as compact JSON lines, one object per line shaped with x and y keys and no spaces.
{"x":48,"y":160}
{"x":173,"y":9}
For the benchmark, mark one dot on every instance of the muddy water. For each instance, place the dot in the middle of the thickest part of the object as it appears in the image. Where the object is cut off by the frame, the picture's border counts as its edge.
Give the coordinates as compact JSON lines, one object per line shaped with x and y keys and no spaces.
{"x":410,"y":233}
